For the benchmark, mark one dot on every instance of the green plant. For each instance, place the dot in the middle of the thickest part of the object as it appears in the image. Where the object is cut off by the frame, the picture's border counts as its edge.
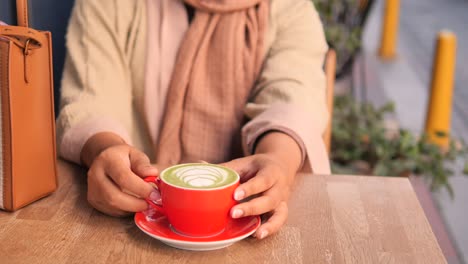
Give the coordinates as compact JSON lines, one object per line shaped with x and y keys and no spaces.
{"x":343,"y":20}
{"x":363,"y":143}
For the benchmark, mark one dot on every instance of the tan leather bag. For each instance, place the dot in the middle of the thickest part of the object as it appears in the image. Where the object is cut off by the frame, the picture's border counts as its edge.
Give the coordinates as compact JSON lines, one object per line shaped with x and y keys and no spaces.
{"x":27,"y":158}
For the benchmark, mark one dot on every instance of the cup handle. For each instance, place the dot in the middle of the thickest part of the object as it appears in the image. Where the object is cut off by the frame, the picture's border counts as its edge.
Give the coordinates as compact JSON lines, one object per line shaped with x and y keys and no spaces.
{"x":157,"y":183}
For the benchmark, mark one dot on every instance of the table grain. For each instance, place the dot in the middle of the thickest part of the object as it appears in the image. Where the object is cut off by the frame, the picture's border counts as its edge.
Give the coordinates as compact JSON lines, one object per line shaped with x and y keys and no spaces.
{"x":332,"y":219}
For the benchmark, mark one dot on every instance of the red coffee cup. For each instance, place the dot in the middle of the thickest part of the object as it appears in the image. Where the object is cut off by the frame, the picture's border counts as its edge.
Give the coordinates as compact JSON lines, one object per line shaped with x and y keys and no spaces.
{"x":192,"y":207}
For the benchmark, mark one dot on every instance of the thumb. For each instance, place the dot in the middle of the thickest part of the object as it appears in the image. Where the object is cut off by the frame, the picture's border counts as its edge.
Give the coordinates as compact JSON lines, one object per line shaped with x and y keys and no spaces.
{"x":141,"y":165}
{"x":244,"y":166}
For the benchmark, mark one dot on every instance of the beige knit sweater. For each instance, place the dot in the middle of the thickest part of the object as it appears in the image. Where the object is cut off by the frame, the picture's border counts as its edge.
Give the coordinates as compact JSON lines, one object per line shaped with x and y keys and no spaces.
{"x":103,"y":86}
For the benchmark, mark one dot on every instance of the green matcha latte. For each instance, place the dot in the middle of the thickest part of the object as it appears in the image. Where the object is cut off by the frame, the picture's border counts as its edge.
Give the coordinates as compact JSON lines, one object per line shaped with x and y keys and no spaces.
{"x":199,"y":176}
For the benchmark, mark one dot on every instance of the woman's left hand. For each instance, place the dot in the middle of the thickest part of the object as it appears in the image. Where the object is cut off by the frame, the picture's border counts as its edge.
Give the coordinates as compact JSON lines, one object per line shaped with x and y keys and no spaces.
{"x":269,"y":177}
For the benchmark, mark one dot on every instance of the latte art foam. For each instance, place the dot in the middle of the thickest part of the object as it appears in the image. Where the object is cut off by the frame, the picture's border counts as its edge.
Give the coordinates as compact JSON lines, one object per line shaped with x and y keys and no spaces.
{"x":199,"y":176}
{"x":202,"y":176}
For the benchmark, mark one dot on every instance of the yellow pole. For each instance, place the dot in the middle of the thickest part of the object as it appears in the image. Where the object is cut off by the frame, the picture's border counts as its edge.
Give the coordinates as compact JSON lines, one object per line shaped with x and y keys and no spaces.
{"x":389,"y":33}
{"x":440,"y":102}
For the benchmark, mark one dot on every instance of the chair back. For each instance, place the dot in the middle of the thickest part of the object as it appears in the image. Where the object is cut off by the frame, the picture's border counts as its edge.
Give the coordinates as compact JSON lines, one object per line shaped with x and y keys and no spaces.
{"x":330,"y":72}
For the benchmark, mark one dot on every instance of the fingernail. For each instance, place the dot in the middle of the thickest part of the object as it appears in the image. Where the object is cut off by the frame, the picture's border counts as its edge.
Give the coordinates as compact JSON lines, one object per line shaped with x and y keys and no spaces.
{"x":237,"y":213}
{"x":263,"y":234}
{"x":155,"y":196}
{"x":239,"y":195}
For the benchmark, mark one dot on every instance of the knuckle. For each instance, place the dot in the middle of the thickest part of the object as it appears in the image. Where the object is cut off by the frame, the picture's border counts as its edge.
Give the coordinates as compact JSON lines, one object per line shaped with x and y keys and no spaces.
{"x":140,"y":165}
{"x":111,"y":152}
{"x":274,"y":202}
{"x":91,"y":199}
{"x":120,"y":178}
{"x":284,"y":205}
{"x":92,"y":184}
{"x":93,"y":171}
{"x":108,"y":198}
{"x":141,"y":158}
{"x":255,"y":208}
{"x":285,"y":192}
{"x":259,"y":184}
{"x":269,"y":180}
{"x":284,"y":217}
{"x":104,"y":201}
{"x":280,"y":193}
{"x":94,"y":201}
{"x":112,"y":201}
{"x":106,"y":154}
{"x":249,"y":189}
{"x":91,"y":175}
{"x":248,"y":210}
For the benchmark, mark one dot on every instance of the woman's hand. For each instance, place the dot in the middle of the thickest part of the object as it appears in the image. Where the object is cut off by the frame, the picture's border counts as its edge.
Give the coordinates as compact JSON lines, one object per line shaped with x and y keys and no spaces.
{"x":269,"y":175}
{"x":115,"y":184}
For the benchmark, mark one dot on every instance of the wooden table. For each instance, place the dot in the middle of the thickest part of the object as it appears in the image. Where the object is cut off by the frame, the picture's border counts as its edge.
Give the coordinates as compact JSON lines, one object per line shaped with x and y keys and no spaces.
{"x":333,"y":219}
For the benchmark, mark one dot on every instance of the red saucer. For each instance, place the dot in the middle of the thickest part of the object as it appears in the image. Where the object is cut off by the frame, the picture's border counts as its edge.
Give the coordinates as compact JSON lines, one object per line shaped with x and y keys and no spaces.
{"x":158,"y":227}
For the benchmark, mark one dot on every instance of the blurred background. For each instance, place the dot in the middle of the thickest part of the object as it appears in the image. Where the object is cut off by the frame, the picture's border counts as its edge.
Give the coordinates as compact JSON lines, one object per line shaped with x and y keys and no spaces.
{"x":400,"y":105}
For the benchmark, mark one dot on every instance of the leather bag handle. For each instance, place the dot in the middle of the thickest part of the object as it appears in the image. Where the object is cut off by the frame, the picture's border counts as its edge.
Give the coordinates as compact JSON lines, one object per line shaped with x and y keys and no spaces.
{"x":20,"y":35}
{"x":22,"y":13}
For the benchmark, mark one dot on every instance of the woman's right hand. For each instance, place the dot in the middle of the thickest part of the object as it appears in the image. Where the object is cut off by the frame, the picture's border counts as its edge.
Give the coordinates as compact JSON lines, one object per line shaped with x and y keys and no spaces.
{"x":115,"y":184}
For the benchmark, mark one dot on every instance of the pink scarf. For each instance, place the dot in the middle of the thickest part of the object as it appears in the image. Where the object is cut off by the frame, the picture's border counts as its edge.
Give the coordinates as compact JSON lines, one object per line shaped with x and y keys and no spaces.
{"x":217,"y":65}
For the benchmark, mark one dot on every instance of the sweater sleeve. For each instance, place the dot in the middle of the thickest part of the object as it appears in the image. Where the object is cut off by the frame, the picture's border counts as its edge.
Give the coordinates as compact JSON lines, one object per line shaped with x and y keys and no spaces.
{"x":290,"y":95}
{"x":96,"y":94}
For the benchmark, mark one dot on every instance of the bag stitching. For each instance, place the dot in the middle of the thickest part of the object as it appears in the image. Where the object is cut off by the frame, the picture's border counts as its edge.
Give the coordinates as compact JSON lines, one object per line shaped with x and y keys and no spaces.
{"x":7,"y":168}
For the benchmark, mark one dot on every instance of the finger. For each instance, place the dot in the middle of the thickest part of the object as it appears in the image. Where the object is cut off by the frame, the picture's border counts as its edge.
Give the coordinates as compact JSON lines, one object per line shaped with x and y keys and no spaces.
{"x":243,"y":166}
{"x":159,"y":168}
{"x":140,"y":164}
{"x":106,"y":196}
{"x":274,"y":223}
{"x":257,"y":206}
{"x":110,"y":211}
{"x":263,"y":181}
{"x":129,"y":181}
{"x":127,"y":202}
